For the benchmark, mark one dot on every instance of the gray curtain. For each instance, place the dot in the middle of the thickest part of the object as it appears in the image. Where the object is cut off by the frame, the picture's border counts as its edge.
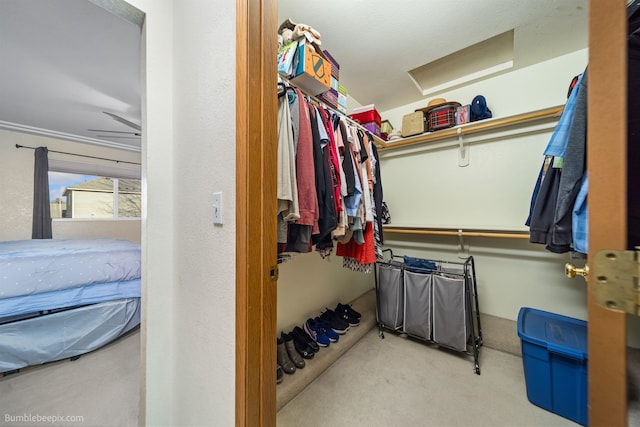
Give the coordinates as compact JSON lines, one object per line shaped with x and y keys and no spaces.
{"x":41,"y":208}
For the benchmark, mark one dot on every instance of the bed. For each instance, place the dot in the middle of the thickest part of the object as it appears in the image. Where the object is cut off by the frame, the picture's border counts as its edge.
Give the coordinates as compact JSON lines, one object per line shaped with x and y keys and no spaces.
{"x":63,"y":298}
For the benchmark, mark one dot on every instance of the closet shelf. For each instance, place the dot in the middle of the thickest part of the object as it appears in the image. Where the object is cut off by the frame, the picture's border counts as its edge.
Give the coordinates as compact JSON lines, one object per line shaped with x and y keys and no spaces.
{"x":479,"y":126}
{"x":430,"y":231}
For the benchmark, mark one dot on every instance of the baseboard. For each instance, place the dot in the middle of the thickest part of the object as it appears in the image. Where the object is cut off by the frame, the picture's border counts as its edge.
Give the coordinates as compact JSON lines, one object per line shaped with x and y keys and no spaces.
{"x":293,"y":384}
{"x":500,"y":334}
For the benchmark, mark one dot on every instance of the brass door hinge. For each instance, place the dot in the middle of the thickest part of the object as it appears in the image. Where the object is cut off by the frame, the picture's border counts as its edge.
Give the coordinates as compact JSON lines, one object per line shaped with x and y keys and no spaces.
{"x":274,"y":272}
{"x":615,"y":279}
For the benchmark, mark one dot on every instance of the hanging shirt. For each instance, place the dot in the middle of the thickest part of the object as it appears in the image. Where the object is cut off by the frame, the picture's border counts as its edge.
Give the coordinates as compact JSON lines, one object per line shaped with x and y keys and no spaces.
{"x":558,"y":142}
{"x":287,"y":191}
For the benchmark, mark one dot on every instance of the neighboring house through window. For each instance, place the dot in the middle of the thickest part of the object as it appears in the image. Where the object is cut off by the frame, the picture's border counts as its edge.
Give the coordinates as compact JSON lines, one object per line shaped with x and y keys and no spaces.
{"x":86,"y":196}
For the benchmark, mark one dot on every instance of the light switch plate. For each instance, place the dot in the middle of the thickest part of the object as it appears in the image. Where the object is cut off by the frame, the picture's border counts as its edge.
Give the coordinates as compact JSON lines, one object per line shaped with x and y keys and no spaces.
{"x":217,"y":208}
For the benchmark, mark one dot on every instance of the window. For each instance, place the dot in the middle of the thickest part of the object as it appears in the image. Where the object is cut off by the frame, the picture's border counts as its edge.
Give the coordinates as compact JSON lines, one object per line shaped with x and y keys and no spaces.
{"x":74,"y":195}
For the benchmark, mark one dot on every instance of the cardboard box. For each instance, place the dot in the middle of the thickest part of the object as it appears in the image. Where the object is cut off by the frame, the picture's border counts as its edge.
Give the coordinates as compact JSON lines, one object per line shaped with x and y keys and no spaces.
{"x":554,"y":357}
{"x":313,"y":73}
{"x":413,"y":124}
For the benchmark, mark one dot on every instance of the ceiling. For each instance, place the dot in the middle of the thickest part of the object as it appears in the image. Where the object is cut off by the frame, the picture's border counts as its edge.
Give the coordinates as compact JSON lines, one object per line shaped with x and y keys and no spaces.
{"x":64,"y":64}
{"x":67,"y":62}
{"x":377,"y":42}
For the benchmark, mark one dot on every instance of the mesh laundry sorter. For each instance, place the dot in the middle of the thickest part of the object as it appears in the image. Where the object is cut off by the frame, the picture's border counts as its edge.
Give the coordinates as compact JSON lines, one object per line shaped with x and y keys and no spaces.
{"x":430,"y":300}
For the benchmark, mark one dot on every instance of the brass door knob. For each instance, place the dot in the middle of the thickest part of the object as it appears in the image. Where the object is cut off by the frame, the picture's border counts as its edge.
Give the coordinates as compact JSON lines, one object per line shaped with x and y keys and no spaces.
{"x":572,"y":271}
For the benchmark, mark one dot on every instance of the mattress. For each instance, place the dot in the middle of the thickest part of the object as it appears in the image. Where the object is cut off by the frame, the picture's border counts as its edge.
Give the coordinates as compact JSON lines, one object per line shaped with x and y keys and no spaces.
{"x":70,"y":297}
{"x":29,"y":267}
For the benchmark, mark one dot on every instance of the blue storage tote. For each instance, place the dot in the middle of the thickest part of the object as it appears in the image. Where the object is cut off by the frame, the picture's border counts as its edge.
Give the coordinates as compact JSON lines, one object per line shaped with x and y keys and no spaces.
{"x":554,"y":355}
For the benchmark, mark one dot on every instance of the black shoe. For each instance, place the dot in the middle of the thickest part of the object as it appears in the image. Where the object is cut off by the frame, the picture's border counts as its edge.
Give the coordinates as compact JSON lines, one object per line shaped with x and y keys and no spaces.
{"x":346,"y":313}
{"x":338,"y":324}
{"x":349,"y":310}
{"x":302,"y":336}
{"x":279,"y":374}
{"x":301,"y":346}
{"x":283,"y":358}
{"x":291,"y":350}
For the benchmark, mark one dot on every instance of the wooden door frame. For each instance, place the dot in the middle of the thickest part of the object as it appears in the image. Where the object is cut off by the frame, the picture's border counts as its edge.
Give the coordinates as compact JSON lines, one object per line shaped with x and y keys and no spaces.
{"x":607,"y":166}
{"x":256,"y":250}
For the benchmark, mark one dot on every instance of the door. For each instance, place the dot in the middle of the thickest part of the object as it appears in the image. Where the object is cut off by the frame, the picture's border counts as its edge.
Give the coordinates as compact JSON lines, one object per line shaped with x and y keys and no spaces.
{"x":606,"y":163}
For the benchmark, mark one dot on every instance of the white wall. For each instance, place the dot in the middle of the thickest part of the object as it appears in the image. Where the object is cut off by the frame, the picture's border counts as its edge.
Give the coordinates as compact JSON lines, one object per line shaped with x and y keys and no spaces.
{"x":16,"y":174}
{"x":528,"y":89}
{"x":309,"y":284}
{"x":425,"y":187}
{"x":189,"y":153}
{"x":158,"y":277}
{"x":204,"y":158}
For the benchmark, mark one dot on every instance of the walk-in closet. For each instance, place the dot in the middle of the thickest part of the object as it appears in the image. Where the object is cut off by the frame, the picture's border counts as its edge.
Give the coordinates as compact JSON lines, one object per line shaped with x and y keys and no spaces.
{"x":456,"y":193}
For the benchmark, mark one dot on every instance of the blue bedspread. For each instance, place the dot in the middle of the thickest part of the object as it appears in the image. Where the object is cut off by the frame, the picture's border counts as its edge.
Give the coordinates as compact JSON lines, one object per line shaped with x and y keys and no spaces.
{"x":70,"y":297}
{"x":29,"y":267}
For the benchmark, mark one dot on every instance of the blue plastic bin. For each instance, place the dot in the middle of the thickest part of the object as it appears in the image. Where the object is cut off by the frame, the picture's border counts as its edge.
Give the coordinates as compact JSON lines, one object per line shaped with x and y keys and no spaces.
{"x":554,"y":356}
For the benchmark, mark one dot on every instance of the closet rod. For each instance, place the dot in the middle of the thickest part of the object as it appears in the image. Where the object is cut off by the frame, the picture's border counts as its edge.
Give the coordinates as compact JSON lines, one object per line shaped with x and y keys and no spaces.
{"x":478,"y":126}
{"x":80,"y":155}
{"x":425,"y":231}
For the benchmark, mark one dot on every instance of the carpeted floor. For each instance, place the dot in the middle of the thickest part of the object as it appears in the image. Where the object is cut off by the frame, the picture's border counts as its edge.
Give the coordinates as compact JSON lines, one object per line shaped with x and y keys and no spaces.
{"x":101,"y":388}
{"x":391,"y":382}
{"x":400,"y":382}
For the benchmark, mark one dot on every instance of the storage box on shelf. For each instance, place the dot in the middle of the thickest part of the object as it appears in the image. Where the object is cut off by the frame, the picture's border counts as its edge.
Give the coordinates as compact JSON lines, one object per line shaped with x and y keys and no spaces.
{"x":463,"y":114}
{"x":554,"y":356}
{"x":342,"y":99}
{"x":309,"y":71}
{"x":441,"y":118}
{"x":335,"y":67}
{"x":366,"y":114}
{"x":330,"y":97}
{"x":372,"y":127}
{"x":414,"y":124}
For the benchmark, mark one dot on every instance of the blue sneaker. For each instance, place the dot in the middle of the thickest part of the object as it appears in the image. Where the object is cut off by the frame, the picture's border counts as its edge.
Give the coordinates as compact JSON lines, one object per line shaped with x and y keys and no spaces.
{"x":316,"y":333}
{"x":326,"y":328}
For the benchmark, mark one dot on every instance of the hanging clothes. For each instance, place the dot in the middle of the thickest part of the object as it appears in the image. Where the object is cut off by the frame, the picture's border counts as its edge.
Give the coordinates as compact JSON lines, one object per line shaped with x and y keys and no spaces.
{"x":573,"y":169}
{"x":300,"y":231}
{"x":327,"y":220}
{"x":551,"y":215}
{"x":287,"y":189}
{"x":333,"y":168}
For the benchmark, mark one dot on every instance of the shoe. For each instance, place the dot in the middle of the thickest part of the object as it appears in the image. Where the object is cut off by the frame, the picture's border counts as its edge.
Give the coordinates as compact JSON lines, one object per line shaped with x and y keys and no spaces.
{"x":279,"y":374}
{"x":301,"y":336}
{"x":349,"y":310}
{"x":326,"y":329}
{"x":301,"y":345}
{"x":291,"y":350}
{"x":345,"y":312}
{"x":316,"y":333}
{"x":338,"y":324}
{"x":283,"y":358}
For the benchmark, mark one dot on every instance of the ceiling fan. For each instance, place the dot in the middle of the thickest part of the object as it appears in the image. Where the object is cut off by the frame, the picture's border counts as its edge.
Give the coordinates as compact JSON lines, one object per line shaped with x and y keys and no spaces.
{"x":124,"y":134}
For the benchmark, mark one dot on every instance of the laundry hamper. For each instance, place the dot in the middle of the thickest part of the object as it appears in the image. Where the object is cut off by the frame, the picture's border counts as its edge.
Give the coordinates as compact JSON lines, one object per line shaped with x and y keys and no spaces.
{"x":390,"y":296}
{"x":417,"y":304}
